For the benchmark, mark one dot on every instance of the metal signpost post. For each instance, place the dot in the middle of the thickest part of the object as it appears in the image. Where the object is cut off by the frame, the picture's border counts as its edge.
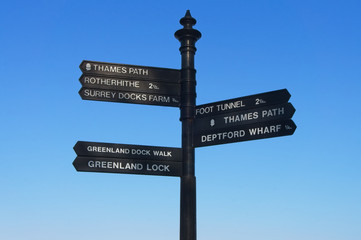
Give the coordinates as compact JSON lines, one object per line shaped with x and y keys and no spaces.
{"x":188,"y":37}
{"x":258,"y":116}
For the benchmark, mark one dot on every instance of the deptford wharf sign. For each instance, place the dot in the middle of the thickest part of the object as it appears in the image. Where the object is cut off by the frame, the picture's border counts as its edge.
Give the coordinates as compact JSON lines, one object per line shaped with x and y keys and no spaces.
{"x":244,"y":133}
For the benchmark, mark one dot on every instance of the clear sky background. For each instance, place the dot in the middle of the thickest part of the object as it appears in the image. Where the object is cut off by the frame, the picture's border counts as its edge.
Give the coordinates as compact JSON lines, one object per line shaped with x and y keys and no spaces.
{"x":305,"y":186}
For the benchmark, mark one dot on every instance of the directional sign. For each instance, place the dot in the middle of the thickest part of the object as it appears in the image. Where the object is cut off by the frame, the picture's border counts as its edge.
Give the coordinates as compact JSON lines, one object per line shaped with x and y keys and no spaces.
{"x":129,"y":97}
{"x":124,"y":84}
{"x":267,"y":113}
{"x":244,"y":133}
{"x":243,"y":103}
{"x":127,"y":151}
{"x":130,"y":71}
{"x":128,"y":166}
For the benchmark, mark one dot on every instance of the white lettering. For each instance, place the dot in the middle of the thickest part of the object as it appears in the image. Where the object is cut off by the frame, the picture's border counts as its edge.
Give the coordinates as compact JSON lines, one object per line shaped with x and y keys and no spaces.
{"x":110,"y":68}
{"x":99,"y":93}
{"x":156,"y":168}
{"x":230,"y":105}
{"x":138,"y":71}
{"x":141,"y":152}
{"x":265,"y":130}
{"x":155,"y":98}
{"x":162,"y":153}
{"x":203,"y":110}
{"x":132,"y":96}
{"x":273,"y":112}
{"x":115,"y":165}
{"x":223,"y":136}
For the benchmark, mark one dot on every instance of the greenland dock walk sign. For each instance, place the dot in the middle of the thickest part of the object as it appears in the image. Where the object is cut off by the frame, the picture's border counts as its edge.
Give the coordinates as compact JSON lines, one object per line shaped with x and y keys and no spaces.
{"x":114,"y":82}
{"x":129,"y":159}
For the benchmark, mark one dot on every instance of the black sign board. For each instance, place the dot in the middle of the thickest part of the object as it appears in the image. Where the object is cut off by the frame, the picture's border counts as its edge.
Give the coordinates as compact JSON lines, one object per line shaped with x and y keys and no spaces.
{"x":130,"y":71}
{"x":129,"y":97}
{"x":243,"y":103}
{"x":244,"y":133}
{"x":128,"y":166}
{"x":267,"y":113}
{"x":127,"y":151}
{"x":124,"y":84}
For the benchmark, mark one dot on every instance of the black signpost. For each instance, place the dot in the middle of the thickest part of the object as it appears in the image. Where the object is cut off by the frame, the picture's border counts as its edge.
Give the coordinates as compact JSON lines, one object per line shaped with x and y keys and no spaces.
{"x":188,"y":38}
{"x":259,"y":116}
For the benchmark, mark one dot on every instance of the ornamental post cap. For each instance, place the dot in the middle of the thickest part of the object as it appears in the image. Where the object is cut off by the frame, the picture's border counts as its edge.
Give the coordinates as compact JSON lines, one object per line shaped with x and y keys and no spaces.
{"x":188,"y":22}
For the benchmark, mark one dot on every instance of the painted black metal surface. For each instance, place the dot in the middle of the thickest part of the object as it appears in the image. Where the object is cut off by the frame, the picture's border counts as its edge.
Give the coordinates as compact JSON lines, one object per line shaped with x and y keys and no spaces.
{"x":128,"y":166}
{"x":127,"y":151}
{"x":130,"y":85}
{"x":130,"y":71}
{"x":243,"y":103}
{"x":188,"y":36}
{"x":237,"y":118}
{"x":245,"y":133}
{"x":129,"y":97}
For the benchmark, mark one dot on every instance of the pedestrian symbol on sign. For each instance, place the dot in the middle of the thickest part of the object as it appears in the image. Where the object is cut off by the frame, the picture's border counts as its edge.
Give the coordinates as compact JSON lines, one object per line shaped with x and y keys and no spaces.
{"x":213,"y":123}
{"x":88,"y":66}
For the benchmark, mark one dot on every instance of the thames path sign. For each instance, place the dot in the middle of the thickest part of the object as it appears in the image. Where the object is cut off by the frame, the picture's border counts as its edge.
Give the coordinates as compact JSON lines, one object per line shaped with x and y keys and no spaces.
{"x":126,"y":71}
{"x":259,"y":116}
{"x":236,"y":118}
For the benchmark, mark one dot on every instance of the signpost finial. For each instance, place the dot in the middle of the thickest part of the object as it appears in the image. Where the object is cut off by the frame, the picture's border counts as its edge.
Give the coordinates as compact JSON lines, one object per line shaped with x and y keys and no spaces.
{"x":188,"y":22}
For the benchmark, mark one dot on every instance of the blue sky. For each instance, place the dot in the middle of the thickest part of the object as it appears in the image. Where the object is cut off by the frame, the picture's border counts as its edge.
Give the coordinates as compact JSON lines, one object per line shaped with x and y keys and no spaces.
{"x":305,"y":186}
